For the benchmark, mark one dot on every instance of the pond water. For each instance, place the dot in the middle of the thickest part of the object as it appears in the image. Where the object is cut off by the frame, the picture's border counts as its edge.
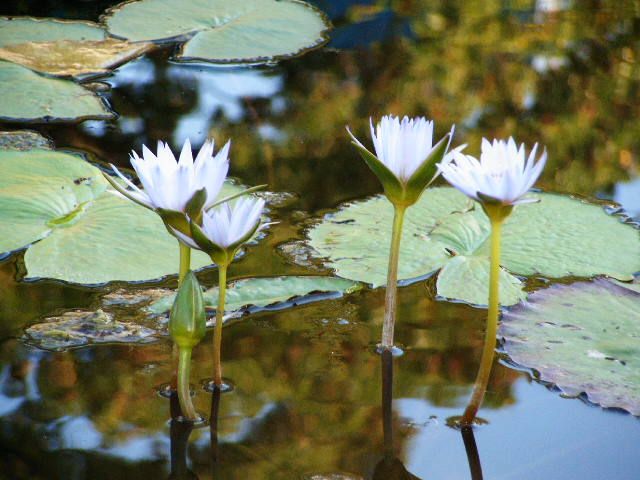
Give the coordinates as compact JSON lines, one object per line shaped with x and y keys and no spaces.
{"x":307,"y":396}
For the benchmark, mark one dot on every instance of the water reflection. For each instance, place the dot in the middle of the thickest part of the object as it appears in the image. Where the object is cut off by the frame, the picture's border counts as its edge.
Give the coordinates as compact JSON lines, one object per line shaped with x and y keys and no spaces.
{"x":472,"y":452}
{"x":179,"y":433}
{"x":390,"y":467}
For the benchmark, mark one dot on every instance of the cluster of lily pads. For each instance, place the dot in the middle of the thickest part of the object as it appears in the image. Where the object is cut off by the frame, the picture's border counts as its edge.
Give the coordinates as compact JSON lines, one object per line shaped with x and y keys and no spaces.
{"x":483,"y":250}
{"x":45,"y":64}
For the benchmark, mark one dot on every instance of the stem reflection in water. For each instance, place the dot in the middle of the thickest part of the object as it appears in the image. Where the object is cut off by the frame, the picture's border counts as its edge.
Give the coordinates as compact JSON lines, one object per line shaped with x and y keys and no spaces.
{"x":213,"y":432}
{"x":180,"y":431}
{"x":390,"y":467}
{"x":472,"y":452}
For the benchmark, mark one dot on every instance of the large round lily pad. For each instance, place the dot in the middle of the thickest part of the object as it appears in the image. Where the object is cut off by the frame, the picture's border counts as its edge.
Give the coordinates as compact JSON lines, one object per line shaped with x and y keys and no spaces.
{"x":86,"y":234}
{"x":583,"y":337}
{"x":556,"y":237}
{"x":267,"y":291}
{"x":68,"y":48}
{"x":223,"y":31}
{"x":26,"y":95}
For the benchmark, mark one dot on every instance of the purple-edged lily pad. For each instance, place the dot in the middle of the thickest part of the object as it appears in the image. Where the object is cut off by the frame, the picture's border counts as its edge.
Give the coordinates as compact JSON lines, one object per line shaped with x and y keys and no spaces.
{"x":583,"y":337}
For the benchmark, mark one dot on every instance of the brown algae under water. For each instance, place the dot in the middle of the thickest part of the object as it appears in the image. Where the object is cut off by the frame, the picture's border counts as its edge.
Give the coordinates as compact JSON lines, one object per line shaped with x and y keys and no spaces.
{"x":306,"y":402}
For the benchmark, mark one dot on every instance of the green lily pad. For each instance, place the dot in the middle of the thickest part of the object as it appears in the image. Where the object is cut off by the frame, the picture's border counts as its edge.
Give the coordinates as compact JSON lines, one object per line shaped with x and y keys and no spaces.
{"x":86,"y":234}
{"x":28,"y":29}
{"x":220,"y":31}
{"x":263,"y":292}
{"x":583,"y":337}
{"x":27,"y":96}
{"x":556,"y":237}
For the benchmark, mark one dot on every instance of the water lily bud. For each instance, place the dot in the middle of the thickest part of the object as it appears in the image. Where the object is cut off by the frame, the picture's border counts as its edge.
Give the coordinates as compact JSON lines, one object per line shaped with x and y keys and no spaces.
{"x":187,"y":321}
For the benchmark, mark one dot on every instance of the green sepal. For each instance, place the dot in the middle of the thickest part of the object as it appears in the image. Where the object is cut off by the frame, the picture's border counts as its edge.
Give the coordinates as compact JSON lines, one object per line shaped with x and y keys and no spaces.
{"x":218,"y":254}
{"x":194,"y":206}
{"x":123,"y":190}
{"x":236,"y":195}
{"x":494,"y":208}
{"x":393,"y":187}
{"x":175,"y":219}
{"x":187,"y":320}
{"x":427,"y":172}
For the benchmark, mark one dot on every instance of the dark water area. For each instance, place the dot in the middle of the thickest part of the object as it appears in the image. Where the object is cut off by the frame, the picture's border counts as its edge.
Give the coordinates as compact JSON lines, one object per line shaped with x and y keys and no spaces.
{"x":307,"y":400}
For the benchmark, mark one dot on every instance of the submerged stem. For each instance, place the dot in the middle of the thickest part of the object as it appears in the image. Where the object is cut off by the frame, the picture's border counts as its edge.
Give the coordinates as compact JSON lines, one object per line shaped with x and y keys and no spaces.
{"x":217,"y":337}
{"x":184,"y":392}
{"x":391,"y":296}
{"x":486,"y":362}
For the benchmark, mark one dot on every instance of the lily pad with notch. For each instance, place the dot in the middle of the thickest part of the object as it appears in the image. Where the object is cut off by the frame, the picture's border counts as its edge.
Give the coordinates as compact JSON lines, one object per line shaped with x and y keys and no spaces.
{"x":583,"y":337}
{"x":557,"y":237}
{"x":223,"y":32}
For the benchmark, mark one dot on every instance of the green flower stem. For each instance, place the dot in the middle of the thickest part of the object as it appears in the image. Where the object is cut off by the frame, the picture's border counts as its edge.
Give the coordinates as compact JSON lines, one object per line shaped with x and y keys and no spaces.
{"x":391,"y":297}
{"x":185,"y":261}
{"x":486,"y":362}
{"x":184,"y":392}
{"x":217,"y":337}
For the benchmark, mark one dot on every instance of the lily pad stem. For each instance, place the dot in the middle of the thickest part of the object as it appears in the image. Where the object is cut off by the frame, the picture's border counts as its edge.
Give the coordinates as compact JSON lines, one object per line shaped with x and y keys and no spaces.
{"x":391,"y":297}
{"x":486,"y":362}
{"x":217,"y":336}
{"x":185,"y":261}
{"x":184,"y":392}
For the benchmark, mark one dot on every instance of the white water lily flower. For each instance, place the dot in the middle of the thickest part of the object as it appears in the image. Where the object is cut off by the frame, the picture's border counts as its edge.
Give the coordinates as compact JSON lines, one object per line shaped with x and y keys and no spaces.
{"x":402,"y":145}
{"x":503,"y":173}
{"x":170,"y":184}
{"x":227,"y":225}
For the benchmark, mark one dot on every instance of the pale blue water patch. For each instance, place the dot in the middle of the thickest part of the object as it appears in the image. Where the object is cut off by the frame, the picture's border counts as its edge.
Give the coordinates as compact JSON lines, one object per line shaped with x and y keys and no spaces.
{"x":96,"y":128}
{"x":79,"y":433}
{"x":627,"y":194}
{"x":141,"y":448}
{"x":130,"y":125}
{"x":540,"y":437}
{"x":138,"y":73}
{"x":219,"y":89}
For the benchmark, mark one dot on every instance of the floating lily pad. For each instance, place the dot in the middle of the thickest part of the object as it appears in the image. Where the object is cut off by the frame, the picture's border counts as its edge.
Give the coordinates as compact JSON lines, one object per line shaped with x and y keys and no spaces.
{"x":28,"y":96}
{"x":556,"y":237}
{"x":68,"y":48}
{"x":28,"y":29}
{"x":86,"y":234}
{"x":72,"y":57}
{"x":262,"y":292}
{"x":220,"y":31}
{"x":583,"y":337}
{"x":24,"y":140}
{"x":75,"y":329}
